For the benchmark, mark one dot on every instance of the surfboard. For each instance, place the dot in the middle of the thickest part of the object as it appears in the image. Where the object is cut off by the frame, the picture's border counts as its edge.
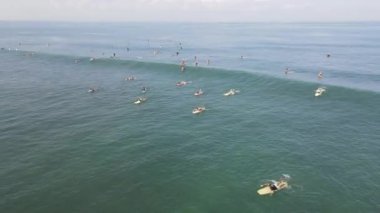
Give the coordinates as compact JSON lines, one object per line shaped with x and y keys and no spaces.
{"x":140,"y":101}
{"x":267,"y":191}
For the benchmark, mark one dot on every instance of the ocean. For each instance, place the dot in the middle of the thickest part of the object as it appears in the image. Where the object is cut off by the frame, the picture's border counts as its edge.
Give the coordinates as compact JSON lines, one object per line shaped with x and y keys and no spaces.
{"x":65,"y":149}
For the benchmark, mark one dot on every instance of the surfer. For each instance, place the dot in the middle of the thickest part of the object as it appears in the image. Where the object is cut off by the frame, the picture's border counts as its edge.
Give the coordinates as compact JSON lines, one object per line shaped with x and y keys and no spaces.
{"x":182,"y":65}
{"x":286,"y":71}
{"x":92,"y":90}
{"x":198,"y":92}
{"x":320,"y":75}
{"x":144,"y":89}
{"x":130,"y":78}
{"x":273,"y":186}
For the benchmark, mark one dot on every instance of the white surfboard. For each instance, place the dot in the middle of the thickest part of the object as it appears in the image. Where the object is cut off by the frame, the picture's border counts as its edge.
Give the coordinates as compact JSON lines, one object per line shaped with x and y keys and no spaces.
{"x":266,"y":190}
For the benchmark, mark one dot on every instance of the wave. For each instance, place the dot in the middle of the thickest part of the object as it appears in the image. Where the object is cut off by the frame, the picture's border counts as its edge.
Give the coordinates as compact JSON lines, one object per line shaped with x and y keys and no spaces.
{"x":275,"y":82}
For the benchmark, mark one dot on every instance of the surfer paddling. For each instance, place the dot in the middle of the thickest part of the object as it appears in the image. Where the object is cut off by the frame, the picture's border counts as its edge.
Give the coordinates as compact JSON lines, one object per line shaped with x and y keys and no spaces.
{"x":273,"y":186}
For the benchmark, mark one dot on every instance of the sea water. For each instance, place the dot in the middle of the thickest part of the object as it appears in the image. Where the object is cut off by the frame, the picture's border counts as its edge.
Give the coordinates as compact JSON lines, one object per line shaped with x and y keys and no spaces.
{"x":63,"y":149}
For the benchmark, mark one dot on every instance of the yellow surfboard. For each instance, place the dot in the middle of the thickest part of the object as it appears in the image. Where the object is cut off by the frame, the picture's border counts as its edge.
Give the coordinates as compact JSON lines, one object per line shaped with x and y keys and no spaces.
{"x":266,"y":190}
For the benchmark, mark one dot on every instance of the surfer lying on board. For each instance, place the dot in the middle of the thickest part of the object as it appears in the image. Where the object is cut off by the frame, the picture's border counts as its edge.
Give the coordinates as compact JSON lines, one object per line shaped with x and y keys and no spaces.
{"x":273,"y":186}
{"x":92,"y":90}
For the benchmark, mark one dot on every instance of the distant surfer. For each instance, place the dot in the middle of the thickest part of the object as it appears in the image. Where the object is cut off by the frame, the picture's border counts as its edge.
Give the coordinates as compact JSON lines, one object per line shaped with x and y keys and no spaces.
{"x":286,"y":71}
{"x":92,"y":90}
{"x":273,"y":186}
{"x":183,"y":65}
{"x":328,"y":55}
{"x":320,"y":75}
{"x":208,"y":61}
{"x":130,"y":78}
{"x":144,"y":89}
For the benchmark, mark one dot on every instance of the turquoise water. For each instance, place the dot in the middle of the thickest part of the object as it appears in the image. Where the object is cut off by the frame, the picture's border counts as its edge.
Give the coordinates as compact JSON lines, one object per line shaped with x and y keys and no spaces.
{"x":63,"y":149}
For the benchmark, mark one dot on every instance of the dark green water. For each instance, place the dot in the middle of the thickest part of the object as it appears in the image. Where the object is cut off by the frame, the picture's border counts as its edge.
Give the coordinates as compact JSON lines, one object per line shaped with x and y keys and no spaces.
{"x":63,"y":149}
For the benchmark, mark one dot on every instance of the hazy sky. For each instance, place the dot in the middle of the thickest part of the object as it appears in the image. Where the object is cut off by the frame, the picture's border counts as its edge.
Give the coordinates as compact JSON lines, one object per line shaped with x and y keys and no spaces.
{"x":191,"y":10}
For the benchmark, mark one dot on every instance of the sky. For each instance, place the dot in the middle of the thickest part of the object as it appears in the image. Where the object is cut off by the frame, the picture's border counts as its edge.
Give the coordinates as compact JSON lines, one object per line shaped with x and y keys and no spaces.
{"x":191,"y":10}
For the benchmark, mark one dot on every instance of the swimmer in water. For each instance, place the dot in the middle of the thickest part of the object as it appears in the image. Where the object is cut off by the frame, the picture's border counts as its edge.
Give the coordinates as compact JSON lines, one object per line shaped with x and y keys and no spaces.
{"x":320,"y":75}
{"x":286,"y":71}
{"x":92,"y":90}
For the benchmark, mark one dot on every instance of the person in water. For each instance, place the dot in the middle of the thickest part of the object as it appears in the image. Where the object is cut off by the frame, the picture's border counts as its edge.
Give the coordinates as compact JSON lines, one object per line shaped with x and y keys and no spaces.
{"x":273,"y":186}
{"x":320,"y":75}
{"x":286,"y":71}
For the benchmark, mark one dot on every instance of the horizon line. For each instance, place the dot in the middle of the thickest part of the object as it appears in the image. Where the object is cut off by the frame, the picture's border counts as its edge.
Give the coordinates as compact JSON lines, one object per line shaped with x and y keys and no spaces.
{"x":196,"y":22}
